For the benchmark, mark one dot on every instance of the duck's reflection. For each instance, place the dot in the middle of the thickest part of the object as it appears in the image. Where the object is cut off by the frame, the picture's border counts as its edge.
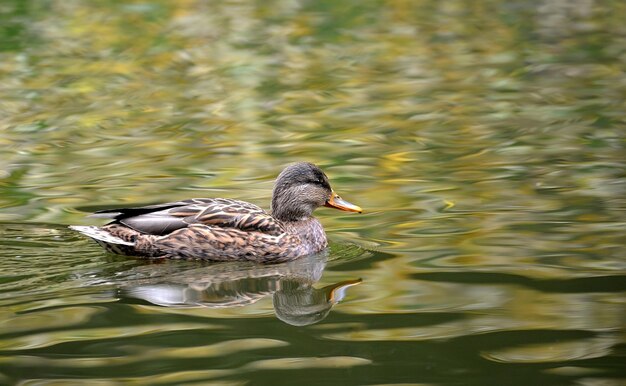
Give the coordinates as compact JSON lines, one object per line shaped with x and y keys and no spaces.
{"x":295,"y":300}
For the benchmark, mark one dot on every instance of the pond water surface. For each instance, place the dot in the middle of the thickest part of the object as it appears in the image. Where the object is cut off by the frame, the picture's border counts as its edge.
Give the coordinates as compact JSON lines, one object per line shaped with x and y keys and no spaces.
{"x":484,"y":140}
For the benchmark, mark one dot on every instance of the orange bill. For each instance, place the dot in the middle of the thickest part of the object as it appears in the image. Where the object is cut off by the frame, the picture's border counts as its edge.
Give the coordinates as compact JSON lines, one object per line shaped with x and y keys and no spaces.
{"x":339,"y":203}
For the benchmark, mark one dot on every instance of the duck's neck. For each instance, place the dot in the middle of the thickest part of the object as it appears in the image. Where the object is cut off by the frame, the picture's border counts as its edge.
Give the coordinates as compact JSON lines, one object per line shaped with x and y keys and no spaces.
{"x":292,"y":203}
{"x":310,"y":232}
{"x":288,"y":211}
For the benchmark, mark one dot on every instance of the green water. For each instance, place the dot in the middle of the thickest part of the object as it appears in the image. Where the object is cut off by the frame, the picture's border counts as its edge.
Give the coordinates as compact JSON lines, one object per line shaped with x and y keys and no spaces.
{"x":485,"y":141}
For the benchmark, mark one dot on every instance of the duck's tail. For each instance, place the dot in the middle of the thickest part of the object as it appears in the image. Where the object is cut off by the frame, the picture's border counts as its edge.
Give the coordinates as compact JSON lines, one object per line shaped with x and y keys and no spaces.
{"x":106,"y":240}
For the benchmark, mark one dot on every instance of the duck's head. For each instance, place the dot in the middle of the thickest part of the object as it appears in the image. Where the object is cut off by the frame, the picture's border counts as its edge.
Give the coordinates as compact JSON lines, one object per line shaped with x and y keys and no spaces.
{"x":300,"y":189}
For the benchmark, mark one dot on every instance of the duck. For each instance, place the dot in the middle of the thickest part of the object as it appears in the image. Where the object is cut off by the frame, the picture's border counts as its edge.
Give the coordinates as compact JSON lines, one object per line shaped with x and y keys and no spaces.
{"x":222,"y":229}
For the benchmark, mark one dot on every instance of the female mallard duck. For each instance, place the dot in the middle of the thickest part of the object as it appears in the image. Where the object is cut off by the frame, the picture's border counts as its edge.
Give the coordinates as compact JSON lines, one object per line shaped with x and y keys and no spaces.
{"x":222,"y":229}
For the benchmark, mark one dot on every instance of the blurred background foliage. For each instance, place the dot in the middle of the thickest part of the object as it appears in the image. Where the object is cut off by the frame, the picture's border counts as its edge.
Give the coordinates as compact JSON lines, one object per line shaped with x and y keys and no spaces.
{"x":492,"y":123}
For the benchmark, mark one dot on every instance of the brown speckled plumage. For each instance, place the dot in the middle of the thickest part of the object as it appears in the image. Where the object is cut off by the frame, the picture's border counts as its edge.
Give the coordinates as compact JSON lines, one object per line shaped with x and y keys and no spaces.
{"x":222,"y":229}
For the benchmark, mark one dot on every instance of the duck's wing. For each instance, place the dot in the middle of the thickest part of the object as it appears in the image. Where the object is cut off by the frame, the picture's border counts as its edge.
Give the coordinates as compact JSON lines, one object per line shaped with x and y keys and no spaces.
{"x":162,"y":219}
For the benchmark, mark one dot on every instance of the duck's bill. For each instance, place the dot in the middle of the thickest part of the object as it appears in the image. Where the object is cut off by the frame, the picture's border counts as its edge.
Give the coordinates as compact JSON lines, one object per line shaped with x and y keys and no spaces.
{"x":339,"y":203}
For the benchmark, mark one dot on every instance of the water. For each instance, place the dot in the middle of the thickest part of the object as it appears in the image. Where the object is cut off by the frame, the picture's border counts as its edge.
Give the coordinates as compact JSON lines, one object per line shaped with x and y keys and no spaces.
{"x":484,"y":140}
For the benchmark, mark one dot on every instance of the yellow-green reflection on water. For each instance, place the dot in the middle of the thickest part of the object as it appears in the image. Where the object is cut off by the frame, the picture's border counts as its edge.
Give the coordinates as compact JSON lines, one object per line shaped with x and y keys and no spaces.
{"x":484,"y":140}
